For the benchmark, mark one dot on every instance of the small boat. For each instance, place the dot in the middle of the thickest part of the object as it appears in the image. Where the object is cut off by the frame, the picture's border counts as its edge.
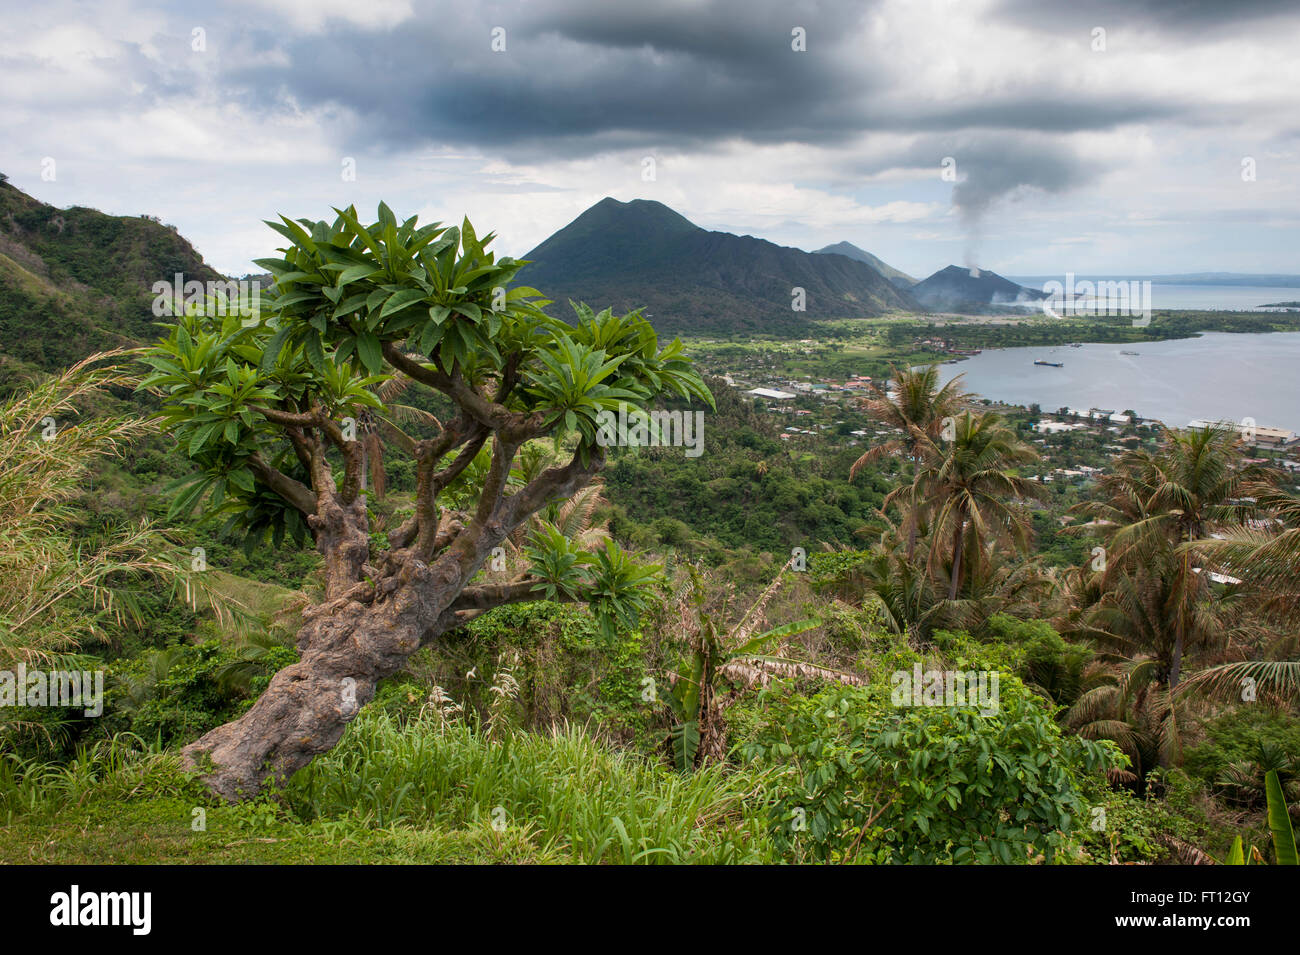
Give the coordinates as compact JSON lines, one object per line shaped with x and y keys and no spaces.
{"x":1050,"y":364}
{"x":1130,"y":353}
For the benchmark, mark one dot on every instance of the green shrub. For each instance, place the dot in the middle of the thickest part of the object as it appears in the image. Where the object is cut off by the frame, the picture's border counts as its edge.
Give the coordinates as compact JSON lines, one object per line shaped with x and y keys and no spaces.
{"x":1048,"y":661}
{"x":862,"y":780}
{"x":567,"y":670}
{"x":120,"y":768}
{"x":1120,"y":826}
{"x":177,"y":694}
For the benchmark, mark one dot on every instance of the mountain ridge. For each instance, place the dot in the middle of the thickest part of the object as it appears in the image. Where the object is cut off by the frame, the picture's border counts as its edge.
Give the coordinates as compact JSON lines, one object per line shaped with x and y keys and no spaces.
{"x":900,"y":278}
{"x":642,"y":253}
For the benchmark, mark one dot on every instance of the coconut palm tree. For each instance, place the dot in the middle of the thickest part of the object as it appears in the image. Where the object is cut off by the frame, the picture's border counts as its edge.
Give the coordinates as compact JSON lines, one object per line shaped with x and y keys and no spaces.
{"x":973,"y":491}
{"x":1265,"y":555}
{"x":905,"y":597}
{"x":1189,"y":488}
{"x":1146,"y":610}
{"x":1154,"y":600}
{"x":1144,"y":616}
{"x":1125,"y":704}
{"x":903,"y":594}
{"x":1002,"y":582}
{"x":1279,"y":679}
{"x":1243,"y":782}
{"x":1156,"y":512}
{"x":915,"y":405}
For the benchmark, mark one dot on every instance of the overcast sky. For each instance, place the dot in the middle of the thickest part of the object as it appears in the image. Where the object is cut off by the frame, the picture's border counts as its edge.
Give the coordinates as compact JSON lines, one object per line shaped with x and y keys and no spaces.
{"x":1114,"y":137}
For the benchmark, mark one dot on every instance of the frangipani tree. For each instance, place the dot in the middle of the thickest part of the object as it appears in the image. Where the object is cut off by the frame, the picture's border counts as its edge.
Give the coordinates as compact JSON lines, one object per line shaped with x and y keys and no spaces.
{"x":266,"y":409}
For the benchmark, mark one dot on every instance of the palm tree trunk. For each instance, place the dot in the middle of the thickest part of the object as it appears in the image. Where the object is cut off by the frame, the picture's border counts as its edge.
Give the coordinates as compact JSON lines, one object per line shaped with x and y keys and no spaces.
{"x":958,"y":538}
{"x":914,"y":508}
{"x":913,"y":519}
{"x":1176,"y":663}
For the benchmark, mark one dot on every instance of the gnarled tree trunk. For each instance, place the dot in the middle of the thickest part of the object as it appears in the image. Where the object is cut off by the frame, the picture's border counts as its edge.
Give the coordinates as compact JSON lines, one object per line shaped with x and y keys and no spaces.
{"x":370,"y":623}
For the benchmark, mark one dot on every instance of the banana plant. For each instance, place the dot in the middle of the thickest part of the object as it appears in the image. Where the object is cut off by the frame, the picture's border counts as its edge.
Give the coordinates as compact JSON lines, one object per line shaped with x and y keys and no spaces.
{"x":1279,"y":823}
{"x":715,"y":652}
{"x":1237,"y":855}
{"x":693,"y":697}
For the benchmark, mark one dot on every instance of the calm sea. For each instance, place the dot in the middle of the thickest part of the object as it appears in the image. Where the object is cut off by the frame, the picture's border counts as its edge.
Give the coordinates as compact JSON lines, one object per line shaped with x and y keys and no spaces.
{"x":1204,"y":297}
{"x":1214,"y":376}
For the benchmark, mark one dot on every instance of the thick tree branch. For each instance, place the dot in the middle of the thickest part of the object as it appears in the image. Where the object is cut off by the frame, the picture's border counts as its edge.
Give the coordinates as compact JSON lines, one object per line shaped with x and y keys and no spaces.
{"x":301,"y":446}
{"x":322,"y":476}
{"x":448,"y":621}
{"x":296,"y":419}
{"x":295,"y":492}
{"x":492,"y":414}
{"x":552,"y":484}
{"x":428,"y":516}
{"x":477,"y":601}
{"x":405,"y":533}
{"x":487,"y":596}
{"x":448,"y":474}
{"x":489,"y":502}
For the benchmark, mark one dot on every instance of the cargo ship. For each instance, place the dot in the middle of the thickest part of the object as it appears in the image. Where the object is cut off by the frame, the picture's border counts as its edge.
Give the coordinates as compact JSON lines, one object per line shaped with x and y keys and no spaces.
{"x":1050,"y":364}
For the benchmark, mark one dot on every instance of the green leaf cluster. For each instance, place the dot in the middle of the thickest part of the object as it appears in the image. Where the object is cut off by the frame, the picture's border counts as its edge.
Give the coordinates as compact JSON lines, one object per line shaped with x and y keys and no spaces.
{"x":862,"y":780}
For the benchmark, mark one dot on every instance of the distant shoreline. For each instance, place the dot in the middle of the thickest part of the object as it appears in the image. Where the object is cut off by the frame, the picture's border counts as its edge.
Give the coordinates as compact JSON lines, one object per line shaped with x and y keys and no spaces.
{"x":1220,"y":380}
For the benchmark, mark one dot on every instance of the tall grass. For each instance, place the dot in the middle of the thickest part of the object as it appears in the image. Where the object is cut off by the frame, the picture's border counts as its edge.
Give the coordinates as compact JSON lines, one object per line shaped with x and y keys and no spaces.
{"x":566,"y":793}
{"x":565,"y":789}
{"x":123,"y":767}
{"x":58,"y":590}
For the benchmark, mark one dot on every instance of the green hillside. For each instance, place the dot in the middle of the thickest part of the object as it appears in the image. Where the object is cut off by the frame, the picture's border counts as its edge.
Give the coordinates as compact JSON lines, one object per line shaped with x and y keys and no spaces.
{"x":76,"y":280}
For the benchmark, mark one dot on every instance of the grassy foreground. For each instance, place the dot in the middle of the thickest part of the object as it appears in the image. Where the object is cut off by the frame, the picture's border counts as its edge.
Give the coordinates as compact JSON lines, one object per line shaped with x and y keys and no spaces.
{"x":390,"y":793}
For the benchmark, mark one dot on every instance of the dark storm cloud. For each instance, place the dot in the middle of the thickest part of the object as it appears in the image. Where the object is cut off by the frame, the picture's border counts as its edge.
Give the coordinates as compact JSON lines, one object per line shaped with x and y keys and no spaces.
{"x":991,"y":170}
{"x":1056,"y":114}
{"x":1006,"y":168}
{"x":988,"y":167}
{"x":581,"y":77}
{"x":1168,"y":15}
{"x":668,"y":73}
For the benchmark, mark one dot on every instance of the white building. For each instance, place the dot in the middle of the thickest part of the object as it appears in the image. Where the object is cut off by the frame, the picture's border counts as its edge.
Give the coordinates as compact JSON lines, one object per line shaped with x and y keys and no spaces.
{"x":1100,"y":414}
{"x":1268,"y":437}
{"x":1055,"y":427}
